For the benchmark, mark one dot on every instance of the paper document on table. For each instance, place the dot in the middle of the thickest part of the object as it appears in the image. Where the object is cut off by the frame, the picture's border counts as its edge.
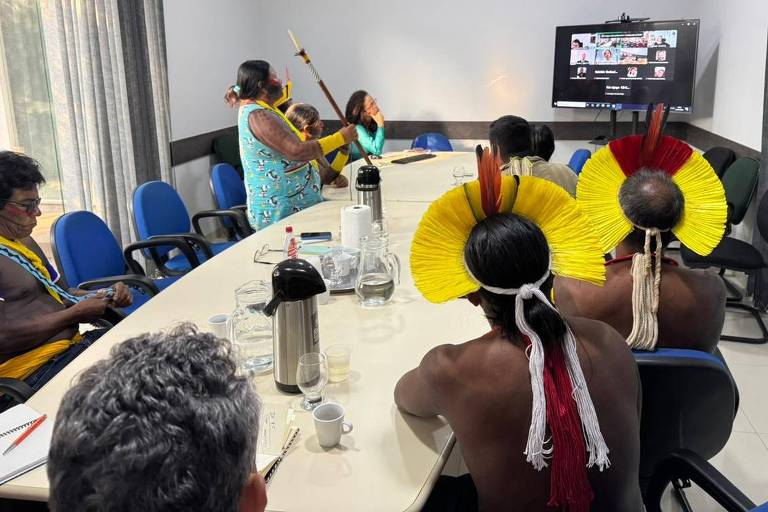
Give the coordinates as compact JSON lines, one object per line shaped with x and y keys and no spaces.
{"x":275,"y":430}
{"x":33,"y":451}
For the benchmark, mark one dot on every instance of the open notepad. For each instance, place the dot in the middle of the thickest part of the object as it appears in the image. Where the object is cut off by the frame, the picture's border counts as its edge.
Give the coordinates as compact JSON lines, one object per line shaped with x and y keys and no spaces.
{"x":276,"y":433}
{"x":33,"y":451}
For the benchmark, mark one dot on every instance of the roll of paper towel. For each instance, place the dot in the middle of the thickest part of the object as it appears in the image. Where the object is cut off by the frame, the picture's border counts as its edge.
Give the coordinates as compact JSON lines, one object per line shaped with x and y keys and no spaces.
{"x":355,"y":223}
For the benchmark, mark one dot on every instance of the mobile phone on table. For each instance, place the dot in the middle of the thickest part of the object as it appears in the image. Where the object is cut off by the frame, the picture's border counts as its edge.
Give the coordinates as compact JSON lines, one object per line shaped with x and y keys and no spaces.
{"x":317,"y":236}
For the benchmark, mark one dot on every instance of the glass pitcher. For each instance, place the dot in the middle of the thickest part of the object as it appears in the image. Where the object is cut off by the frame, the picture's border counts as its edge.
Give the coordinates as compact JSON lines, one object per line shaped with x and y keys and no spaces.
{"x":250,"y":330}
{"x":378,"y":272}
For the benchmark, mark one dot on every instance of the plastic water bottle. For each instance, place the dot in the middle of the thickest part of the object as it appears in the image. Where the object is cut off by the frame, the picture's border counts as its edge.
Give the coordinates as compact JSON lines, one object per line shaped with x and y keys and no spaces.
{"x":291,"y":244}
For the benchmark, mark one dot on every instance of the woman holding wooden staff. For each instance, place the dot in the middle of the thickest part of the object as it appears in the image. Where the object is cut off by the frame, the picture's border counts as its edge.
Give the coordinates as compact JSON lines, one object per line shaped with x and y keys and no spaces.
{"x":279,"y":175}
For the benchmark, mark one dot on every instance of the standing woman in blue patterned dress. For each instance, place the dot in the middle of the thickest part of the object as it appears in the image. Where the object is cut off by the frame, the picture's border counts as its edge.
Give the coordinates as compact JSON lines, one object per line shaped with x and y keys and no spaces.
{"x":280,"y":174}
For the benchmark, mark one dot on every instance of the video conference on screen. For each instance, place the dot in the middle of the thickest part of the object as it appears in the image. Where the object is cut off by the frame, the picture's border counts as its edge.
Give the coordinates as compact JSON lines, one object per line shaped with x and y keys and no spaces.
{"x":622,"y":58}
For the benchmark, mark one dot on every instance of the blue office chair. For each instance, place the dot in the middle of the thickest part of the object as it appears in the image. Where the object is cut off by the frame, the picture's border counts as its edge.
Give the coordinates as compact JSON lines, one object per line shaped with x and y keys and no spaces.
{"x":432,"y":141}
{"x":578,"y":159}
{"x":160,"y":214}
{"x":229,"y":193}
{"x":88,"y":256}
{"x":689,"y":404}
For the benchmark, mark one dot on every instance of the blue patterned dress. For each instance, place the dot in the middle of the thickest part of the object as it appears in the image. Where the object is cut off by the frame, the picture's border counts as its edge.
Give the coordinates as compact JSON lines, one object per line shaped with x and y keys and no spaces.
{"x":273,"y":194}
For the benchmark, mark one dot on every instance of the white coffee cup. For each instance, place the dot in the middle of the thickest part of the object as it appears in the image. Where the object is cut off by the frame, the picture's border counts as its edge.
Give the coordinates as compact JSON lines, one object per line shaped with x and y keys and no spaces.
{"x":330,"y":424}
{"x":218,"y":325}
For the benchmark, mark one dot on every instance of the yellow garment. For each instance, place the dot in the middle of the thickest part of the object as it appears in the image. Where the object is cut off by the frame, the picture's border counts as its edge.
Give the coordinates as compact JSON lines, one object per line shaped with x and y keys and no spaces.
{"x":34,"y":259}
{"x":24,"y":365}
{"x":331,"y":142}
{"x":286,"y":93}
{"x":327,"y":144}
{"x":339,"y":161}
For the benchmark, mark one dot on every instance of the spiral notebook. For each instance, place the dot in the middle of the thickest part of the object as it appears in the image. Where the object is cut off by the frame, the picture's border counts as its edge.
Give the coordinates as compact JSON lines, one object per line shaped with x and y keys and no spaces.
{"x":31,"y":453}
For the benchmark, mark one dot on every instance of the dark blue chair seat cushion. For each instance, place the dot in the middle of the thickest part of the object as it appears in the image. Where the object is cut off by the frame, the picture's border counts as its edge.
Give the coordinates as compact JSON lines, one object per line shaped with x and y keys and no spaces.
{"x":179,"y":262}
{"x":140,"y":297}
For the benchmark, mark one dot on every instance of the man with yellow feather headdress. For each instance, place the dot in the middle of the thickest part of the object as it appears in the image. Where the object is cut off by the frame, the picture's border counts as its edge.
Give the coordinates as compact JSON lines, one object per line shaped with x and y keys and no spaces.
{"x":637,"y":192}
{"x":525,"y":398}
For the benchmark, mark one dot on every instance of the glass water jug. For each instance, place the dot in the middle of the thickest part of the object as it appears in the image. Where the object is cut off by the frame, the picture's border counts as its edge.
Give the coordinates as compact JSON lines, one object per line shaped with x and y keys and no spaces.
{"x":250,"y":330}
{"x":378,"y":272}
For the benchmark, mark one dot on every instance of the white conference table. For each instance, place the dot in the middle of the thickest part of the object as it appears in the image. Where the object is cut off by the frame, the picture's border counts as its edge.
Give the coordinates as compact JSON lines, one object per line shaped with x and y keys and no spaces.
{"x":424,"y":180}
{"x":391,"y":460}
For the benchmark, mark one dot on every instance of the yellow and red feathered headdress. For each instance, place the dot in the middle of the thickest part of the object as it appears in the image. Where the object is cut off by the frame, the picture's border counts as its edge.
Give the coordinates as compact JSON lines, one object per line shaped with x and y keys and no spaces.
{"x":705,"y":210}
{"x":437,"y":253}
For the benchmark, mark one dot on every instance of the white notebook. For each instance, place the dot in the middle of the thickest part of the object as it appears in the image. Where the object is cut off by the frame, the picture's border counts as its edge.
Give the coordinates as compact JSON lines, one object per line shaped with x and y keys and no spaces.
{"x":275,"y":430}
{"x":33,"y":451}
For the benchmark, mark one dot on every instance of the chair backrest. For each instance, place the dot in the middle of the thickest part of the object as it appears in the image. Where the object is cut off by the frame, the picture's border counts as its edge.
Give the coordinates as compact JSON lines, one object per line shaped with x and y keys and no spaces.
{"x":578,"y":159}
{"x":762,"y":217}
{"x":689,"y":401}
{"x":84,"y":248}
{"x":227,"y":149}
{"x":740,"y":184}
{"x":159,"y":210}
{"x":719,"y":158}
{"x":227,"y":187}
{"x":432,"y":141}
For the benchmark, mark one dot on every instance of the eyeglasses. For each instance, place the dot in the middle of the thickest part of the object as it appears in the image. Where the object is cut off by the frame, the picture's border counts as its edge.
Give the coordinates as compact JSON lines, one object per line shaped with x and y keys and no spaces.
{"x":29,"y":207}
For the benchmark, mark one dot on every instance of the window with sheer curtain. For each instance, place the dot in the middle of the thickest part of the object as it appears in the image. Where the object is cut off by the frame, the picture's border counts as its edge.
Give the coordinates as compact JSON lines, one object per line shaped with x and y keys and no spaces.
{"x":26,"y":111}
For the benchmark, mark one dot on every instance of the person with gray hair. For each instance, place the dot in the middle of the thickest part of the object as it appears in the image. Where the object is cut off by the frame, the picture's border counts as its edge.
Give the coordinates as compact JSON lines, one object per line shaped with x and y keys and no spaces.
{"x":164,"y":423}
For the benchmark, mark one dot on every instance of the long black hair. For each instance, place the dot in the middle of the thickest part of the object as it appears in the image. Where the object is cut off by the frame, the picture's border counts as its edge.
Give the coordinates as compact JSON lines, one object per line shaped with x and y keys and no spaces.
{"x":507,"y":251}
{"x":355,"y":112}
{"x":252,"y":78}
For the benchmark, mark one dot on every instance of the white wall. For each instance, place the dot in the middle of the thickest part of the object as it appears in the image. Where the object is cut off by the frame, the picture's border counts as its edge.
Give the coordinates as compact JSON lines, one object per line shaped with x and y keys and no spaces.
{"x":205,"y":43}
{"x":437,"y":60}
{"x":732,"y":53}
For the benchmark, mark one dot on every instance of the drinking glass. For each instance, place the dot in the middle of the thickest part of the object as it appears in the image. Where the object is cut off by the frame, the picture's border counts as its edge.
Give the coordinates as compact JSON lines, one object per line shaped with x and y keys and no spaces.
{"x":338,"y":362}
{"x":311,"y":377}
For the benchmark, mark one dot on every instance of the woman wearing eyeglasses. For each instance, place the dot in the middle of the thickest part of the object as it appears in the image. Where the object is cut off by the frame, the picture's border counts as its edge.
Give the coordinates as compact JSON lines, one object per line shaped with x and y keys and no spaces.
{"x":363,"y":112}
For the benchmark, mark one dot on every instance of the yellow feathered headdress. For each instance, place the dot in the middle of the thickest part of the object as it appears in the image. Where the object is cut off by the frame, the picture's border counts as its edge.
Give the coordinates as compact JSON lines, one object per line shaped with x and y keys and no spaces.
{"x":437,"y":253}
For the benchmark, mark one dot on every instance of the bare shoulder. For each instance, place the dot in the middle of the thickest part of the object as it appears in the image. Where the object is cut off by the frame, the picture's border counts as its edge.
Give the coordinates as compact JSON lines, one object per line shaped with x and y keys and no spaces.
{"x":448,"y":362}
{"x":571,"y":296}
{"x":598,"y":335}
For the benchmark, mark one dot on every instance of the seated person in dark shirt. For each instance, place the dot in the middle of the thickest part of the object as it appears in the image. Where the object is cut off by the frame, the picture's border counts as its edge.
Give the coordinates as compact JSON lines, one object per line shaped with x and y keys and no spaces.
{"x":649,"y":299}
{"x":38,"y":319}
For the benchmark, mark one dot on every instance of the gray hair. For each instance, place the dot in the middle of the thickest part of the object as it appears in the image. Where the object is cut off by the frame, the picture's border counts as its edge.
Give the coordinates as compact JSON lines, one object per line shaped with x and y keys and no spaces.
{"x":163,"y":424}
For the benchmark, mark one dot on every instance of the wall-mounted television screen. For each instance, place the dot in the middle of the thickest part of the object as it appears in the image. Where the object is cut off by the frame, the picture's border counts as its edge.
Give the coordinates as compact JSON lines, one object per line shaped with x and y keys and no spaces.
{"x":626,"y":66}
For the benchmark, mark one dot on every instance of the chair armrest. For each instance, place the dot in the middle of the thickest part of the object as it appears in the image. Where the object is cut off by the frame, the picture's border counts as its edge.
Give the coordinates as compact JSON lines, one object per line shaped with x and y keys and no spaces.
{"x":16,"y":389}
{"x":178,"y":241}
{"x":192,"y":239}
{"x":237,"y":217}
{"x":690,"y":465}
{"x":133,"y":280}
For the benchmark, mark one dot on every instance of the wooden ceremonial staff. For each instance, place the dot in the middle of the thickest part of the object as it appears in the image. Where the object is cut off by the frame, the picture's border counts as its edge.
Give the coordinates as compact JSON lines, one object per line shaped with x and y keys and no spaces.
{"x":303,"y":54}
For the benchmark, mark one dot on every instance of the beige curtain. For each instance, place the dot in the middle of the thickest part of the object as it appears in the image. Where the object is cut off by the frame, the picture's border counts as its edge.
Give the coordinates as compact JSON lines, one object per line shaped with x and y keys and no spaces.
{"x":106,"y":60}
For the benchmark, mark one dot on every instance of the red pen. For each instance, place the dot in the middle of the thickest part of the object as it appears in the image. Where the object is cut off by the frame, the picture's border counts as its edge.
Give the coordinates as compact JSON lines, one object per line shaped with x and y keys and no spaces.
{"x":25,"y":434}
